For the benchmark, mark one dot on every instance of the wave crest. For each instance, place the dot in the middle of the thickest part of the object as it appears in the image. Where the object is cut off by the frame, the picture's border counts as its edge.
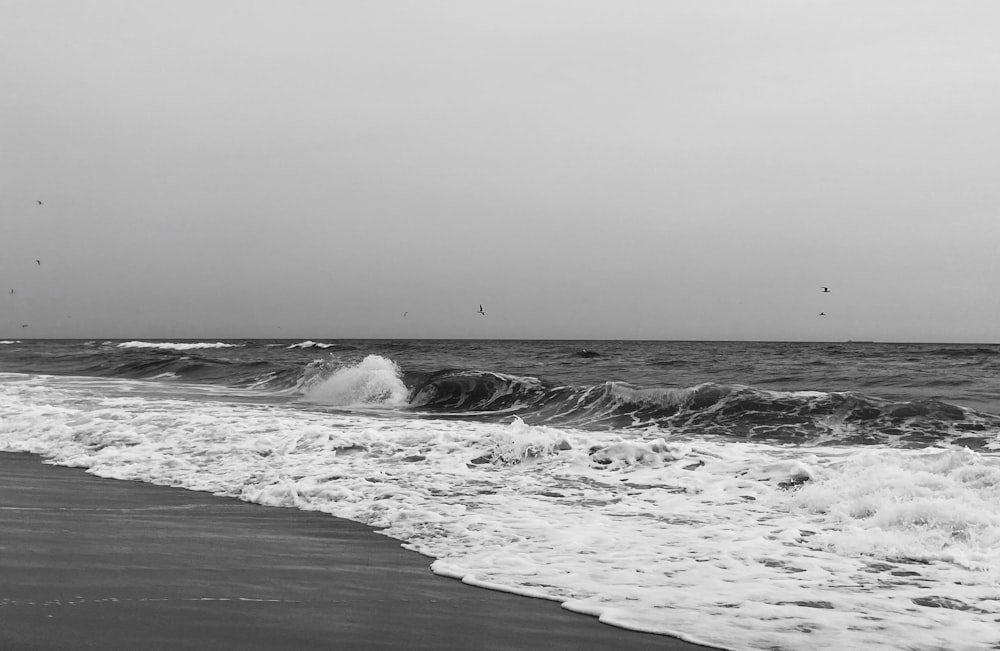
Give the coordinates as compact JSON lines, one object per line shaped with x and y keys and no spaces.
{"x":174,"y":346}
{"x":311,"y":344}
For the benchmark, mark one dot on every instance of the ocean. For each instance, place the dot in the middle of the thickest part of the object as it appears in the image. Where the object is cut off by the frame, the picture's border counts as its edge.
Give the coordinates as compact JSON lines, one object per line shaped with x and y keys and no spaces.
{"x":740,"y":495}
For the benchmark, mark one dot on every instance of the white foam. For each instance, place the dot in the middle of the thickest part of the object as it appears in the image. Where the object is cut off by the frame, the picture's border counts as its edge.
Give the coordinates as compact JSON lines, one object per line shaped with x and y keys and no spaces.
{"x":375,"y":381}
{"x":710,"y":540}
{"x":630,"y":453}
{"x":311,"y":344}
{"x":174,"y":346}
{"x":8,"y":341}
{"x":522,"y":443}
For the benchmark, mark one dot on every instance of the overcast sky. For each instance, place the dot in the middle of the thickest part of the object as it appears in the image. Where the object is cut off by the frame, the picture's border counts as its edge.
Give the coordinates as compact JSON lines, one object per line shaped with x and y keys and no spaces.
{"x":583,"y":169}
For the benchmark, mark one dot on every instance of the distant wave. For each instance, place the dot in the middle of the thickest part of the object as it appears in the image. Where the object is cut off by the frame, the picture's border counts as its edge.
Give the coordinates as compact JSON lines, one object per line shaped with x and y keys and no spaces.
{"x":173,"y":346}
{"x":966,"y":351}
{"x":9,"y":342}
{"x":311,"y":344}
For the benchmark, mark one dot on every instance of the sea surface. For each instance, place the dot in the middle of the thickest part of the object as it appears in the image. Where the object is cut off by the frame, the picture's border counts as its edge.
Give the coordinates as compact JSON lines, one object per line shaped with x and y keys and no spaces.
{"x":741,"y":495}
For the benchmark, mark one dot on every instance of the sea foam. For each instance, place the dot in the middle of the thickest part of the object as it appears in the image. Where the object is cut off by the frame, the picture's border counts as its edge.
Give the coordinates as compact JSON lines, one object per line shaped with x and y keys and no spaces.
{"x":735,"y":544}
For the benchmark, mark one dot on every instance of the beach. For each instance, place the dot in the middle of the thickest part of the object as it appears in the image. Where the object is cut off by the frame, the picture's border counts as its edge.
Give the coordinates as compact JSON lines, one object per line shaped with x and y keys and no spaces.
{"x":92,"y":563}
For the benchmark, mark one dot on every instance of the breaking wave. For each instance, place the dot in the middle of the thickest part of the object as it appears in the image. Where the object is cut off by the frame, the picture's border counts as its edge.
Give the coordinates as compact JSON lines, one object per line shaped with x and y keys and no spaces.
{"x":375,"y":381}
{"x":733,"y":411}
{"x":464,"y":390}
{"x":311,"y":344}
{"x":174,"y":346}
{"x":343,"y":378}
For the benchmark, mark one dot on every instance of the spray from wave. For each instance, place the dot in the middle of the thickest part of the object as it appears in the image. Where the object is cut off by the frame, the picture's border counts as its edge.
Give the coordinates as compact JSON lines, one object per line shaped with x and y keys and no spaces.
{"x":373,"y":382}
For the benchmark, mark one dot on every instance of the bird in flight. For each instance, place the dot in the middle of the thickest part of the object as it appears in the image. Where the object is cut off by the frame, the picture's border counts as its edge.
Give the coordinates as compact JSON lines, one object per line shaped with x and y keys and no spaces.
{"x":826,"y":290}
{"x":12,"y":291}
{"x":39,"y":262}
{"x":25,"y":325}
{"x":404,"y":314}
{"x":822,"y":313}
{"x":39,"y":201}
{"x":481,"y":309}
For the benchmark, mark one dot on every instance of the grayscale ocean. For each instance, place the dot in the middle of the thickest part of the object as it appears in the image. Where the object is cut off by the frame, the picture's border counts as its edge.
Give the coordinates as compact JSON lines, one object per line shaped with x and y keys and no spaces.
{"x":741,"y":495}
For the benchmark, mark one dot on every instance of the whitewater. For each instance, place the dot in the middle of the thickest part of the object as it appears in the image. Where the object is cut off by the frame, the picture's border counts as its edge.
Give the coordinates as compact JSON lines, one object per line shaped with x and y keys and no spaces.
{"x":742,"y":496}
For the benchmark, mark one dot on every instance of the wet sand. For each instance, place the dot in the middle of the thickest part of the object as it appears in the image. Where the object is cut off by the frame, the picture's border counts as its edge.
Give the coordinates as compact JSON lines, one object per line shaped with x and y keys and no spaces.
{"x":91,"y":563}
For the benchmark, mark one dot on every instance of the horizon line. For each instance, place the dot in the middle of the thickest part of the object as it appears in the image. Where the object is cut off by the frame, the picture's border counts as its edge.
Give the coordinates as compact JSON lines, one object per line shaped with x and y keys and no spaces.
{"x":553,"y":339}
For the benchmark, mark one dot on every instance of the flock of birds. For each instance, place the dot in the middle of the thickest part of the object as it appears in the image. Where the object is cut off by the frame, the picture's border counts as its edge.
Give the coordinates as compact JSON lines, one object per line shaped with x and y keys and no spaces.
{"x":826,"y":290}
{"x":481,"y":312}
{"x":38,"y":263}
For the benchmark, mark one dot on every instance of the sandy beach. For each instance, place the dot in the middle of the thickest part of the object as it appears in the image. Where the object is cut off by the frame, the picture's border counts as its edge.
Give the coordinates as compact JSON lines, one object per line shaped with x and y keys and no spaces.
{"x":104,"y":564}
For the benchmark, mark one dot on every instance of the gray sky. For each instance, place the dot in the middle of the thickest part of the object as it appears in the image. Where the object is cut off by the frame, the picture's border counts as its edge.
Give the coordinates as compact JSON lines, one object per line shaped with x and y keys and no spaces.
{"x":663,"y":170}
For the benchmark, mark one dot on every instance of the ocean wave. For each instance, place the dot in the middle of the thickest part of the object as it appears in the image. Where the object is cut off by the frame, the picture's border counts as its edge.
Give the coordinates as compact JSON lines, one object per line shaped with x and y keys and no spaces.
{"x":966,"y":351}
{"x":732,"y":411}
{"x":469,"y":390}
{"x":174,"y":346}
{"x":9,"y":341}
{"x":908,"y":417}
{"x":311,"y":344}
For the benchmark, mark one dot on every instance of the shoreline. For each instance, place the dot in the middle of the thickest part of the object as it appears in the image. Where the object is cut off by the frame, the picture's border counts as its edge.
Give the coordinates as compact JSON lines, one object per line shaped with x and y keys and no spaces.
{"x":99,"y":563}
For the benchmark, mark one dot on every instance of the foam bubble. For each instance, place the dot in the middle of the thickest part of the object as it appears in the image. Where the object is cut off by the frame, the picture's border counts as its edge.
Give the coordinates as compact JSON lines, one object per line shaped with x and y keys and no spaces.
{"x":629,"y":453}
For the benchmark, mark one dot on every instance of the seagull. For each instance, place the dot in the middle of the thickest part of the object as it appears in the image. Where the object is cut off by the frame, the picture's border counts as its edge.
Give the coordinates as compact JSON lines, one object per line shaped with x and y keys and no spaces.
{"x":39,"y":201}
{"x":25,"y":325}
{"x":39,"y":262}
{"x":481,"y":309}
{"x":826,"y":290}
{"x":822,"y":313}
{"x":404,"y":314}
{"x":12,"y":291}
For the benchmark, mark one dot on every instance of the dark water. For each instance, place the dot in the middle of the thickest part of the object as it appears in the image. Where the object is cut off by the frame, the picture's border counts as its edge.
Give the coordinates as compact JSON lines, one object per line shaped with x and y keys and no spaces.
{"x":845,"y":393}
